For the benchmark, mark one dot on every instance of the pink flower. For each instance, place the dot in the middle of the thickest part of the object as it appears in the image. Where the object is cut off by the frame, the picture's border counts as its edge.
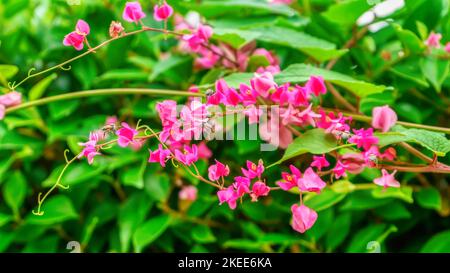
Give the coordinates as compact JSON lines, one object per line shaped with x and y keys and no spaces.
{"x":259,"y":189}
{"x":277,"y":135}
{"x":353,"y":163}
{"x":383,"y":118}
{"x":228,"y":195}
{"x":363,"y":138}
{"x":319,"y":162}
{"x":89,"y":151}
{"x":316,"y":85}
{"x":253,"y":113}
{"x":248,"y":95}
{"x":340,"y":170}
{"x":389,"y":154}
{"x":242,"y":185}
{"x":198,"y":38}
{"x":447,"y":47}
{"x":207,"y":60}
{"x":188,"y":193}
{"x":387,"y":180}
{"x":281,"y":2}
{"x":433,"y":40}
{"x":167,"y":112}
{"x":334,"y":124}
{"x":290,"y":180}
{"x":282,"y":95}
{"x":371,"y":156}
{"x":2,"y":111}
{"x":11,"y":99}
{"x":215,"y":98}
{"x":311,"y":182}
{"x":232,"y":98}
{"x":203,"y":151}
{"x":126,"y":135}
{"x":299,"y":97}
{"x":263,"y":83}
{"x":82,"y":28}
{"x":218,"y":170}
{"x":303,"y":218}
{"x":271,"y":58}
{"x":162,"y":12}
{"x":188,"y":156}
{"x":133,"y":12}
{"x":77,"y":37}
{"x":160,"y":155}
{"x":74,"y":39}
{"x":253,"y":170}
{"x":115,"y":29}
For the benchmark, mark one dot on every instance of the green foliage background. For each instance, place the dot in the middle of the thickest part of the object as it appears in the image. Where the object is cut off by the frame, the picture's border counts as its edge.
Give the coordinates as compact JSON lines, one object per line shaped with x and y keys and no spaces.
{"x":123,"y":204}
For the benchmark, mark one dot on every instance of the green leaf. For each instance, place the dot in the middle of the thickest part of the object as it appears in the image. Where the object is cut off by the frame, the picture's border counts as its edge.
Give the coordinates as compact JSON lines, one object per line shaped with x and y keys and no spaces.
{"x":393,"y":211}
{"x":123,"y":75}
{"x":166,"y":64}
{"x":338,"y":231}
{"x":299,"y":73}
{"x":38,"y":89}
{"x":319,"y":49}
{"x":409,"y":39}
{"x":435,"y":70}
{"x":56,"y":210}
{"x":157,"y":186}
{"x":62,"y":109}
{"x":363,"y":237}
{"x":345,"y":13}
{"x":429,"y":198}
{"x":439,"y":243}
{"x":75,"y":174}
{"x":245,"y":8}
{"x":203,"y":234}
{"x":131,"y":215}
{"x":8,"y":71}
{"x":235,"y":79}
{"x":314,"y":141}
{"x":324,"y":200}
{"x":433,"y":141}
{"x":244,"y":244}
{"x":235,"y":37}
{"x":86,"y":72}
{"x":404,"y":193}
{"x":14,"y":192}
{"x":363,"y":200}
{"x":4,"y":219}
{"x":134,"y":176}
{"x":343,"y":186}
{"x":149,"y":231}
{"x":324,"y":221}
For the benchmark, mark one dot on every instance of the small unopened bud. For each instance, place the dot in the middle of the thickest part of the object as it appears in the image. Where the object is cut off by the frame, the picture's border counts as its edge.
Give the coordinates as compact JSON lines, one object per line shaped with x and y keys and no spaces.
{"x":115,"y":29}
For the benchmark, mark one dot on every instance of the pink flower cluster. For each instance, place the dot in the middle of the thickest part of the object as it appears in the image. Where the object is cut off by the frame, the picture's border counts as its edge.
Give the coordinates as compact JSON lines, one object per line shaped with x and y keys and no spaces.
{"x":8,"y":100}
{"x":434,"y":41}
{"x":242,"y":184}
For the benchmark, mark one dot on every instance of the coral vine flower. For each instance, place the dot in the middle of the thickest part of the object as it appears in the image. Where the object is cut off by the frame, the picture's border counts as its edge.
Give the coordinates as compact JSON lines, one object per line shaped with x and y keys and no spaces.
{"x":242,"y":185}
{"x":161,"y":13}
{"x":198,"y":38}
{"x":383,"y":118}
{"x":89,"y":151}
{"x":363,"y":138}
{"x":248,"y":95}
{"x":447,"y":47}
{"x":160,"y":155}
{"x":319,"y":162}
{"x":316,"y":85}
{"x":11,"y":99}
{"x":303,"y":218}
{"x":218,"y":170}
{"x":188,"y":156}
{"x":290,"y":179}
{"x":203,"y":151}
{"x":263,"y":83}
{"x":2,"y":111}
{"x":389,"y":154}
{"x":253,"y":113}
{"x":433,"y":40}
{"x":188,"y":193}
{"x":115,"y":29}
{"x":228,"y":195}
{"x":133,"y":12}
{"x":387,"y":180}
{"x":259,"y":189}
{"x":126,"y":135}
{"x":253,"y":170}
{"x":340,"y":170}
{"x":311,"y":182}
{"x":77,"y":37}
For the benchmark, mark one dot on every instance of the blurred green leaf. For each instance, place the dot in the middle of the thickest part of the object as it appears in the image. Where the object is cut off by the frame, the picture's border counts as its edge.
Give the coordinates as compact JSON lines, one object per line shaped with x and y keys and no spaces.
{"x":439,"y":243}
{"x":324,"y":200}
{"x":149,"y":231}
{"x":338,"y":231}
{"x":345,"y":13}
{"x":38,"y":90}
{"x":56,"y":210}
{"x":435,"y":71}
{"x":429,"y":198}
{"x":14,"y":192}
{"x":203,"y":234}
{"x":404,"y":193}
